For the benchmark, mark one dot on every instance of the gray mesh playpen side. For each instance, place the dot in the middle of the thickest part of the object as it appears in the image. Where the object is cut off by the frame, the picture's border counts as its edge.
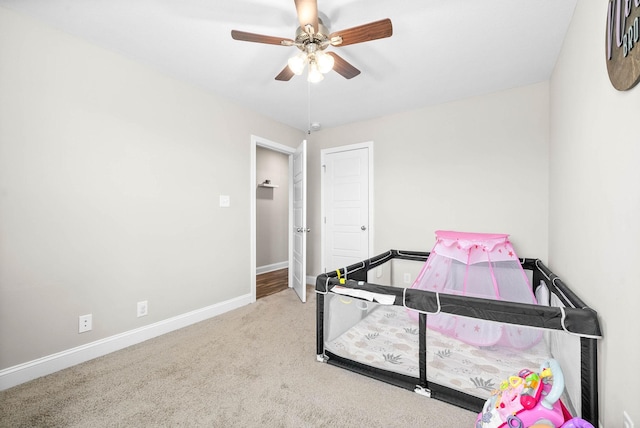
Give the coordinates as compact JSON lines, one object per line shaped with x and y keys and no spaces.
{"x":569,"y":327}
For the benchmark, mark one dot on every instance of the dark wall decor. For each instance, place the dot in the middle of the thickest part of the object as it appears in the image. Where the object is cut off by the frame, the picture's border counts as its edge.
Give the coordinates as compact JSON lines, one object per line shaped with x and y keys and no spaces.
{"x":622,"y":50}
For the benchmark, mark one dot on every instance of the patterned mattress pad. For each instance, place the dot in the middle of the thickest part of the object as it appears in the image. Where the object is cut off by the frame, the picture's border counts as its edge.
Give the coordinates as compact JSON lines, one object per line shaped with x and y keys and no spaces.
{"x":387,"y":338}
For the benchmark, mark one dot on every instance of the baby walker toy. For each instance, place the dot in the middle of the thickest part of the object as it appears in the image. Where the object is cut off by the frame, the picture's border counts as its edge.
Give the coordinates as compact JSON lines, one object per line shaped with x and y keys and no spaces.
{"x":527,"y":400}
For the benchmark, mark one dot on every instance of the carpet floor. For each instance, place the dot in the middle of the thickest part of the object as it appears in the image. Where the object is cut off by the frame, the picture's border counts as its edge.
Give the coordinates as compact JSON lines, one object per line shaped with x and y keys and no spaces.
{"x":254,"y":366}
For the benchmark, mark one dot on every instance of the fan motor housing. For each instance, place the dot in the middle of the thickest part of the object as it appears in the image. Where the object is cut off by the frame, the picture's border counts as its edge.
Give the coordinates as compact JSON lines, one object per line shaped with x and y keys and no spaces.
{"x":320,"y":38}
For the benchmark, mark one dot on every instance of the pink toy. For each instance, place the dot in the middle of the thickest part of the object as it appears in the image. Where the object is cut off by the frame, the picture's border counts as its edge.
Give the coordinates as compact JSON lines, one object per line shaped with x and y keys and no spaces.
{"x":528,"y":399}
{"x":577,"y":423}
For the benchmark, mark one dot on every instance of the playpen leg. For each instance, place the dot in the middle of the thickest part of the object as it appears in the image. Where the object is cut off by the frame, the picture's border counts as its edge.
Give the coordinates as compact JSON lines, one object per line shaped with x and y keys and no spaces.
{"x":320,"y":324}
{"x":589,"y":375}
{"x":422,"y":348}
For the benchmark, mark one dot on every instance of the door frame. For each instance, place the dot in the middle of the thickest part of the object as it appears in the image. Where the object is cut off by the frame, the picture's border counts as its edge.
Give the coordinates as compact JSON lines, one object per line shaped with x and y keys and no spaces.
{"x":256,"y":142}
{"x":323,"y":153}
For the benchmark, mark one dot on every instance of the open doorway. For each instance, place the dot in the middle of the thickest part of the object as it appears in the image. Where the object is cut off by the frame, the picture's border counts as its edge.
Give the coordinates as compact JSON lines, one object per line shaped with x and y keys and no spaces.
{"x":272,"y":154}
{"x":272,"y":221}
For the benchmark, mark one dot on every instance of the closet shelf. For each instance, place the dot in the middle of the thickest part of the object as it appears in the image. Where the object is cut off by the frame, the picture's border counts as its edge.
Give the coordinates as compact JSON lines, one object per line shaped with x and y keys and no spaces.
{"x":272,"y":186}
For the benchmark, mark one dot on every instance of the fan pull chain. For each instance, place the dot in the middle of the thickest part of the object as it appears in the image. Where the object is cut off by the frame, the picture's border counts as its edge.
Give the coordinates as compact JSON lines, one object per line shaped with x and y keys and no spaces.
{"x":308,"y":108}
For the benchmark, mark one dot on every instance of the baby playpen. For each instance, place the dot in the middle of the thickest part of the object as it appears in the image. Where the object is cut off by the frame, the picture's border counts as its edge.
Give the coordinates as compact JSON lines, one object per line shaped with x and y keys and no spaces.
{"x":447,"y":328}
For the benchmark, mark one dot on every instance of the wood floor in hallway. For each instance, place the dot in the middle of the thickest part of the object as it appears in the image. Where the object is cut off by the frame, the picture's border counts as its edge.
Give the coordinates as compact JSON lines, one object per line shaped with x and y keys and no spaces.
{"x":271,"y":282}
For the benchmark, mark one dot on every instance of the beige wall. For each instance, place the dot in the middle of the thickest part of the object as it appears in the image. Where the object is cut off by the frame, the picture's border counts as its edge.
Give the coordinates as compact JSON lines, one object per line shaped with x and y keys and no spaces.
{"x":272,"y":208}
{"x":110,"y":175}
{"x":476,"y":165}
{"x":595,"y":201}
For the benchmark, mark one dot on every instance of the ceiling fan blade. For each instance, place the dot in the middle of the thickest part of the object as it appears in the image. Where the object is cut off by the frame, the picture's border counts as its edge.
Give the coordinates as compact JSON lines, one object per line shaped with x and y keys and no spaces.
{"x":342,"y":67}
{"x":285,"y":75}
{"x":307,"y":14}
{"x":363,"y":33}
{"x":259,"y":38}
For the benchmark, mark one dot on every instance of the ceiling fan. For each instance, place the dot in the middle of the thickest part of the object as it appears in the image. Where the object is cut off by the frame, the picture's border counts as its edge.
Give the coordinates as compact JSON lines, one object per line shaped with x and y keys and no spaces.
{"x":312,"y":38}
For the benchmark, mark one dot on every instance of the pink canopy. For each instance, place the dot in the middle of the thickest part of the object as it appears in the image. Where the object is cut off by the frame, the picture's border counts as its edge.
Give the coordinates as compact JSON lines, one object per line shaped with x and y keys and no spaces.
{"x":478,"y":265}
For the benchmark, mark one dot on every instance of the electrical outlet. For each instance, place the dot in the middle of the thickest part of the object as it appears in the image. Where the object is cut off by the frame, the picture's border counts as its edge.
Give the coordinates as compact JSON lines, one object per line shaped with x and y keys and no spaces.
{"x":407,"y":278}
{"x":626,"y":420}
{"x":85,"y":323}
{"x":142,"y":308}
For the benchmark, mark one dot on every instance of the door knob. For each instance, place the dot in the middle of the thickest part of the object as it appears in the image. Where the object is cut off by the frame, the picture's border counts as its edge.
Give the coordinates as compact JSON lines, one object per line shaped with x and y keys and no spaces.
{"x":363,"y":227}
{"x":299,"y":229}
{"x":308,"y":229}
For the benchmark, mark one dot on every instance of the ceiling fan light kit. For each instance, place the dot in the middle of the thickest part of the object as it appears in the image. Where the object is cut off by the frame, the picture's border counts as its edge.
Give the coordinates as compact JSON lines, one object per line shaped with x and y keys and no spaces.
{"x":312,"y":38}
{"x":319,"y":63}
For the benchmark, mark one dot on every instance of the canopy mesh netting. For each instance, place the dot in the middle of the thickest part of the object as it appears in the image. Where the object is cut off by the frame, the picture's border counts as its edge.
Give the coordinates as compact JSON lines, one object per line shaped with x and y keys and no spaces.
{"x":477,"y":265}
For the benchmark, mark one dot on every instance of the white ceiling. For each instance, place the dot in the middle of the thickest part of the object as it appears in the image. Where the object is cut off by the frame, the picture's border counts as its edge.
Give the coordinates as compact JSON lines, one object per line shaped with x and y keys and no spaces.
{"x":440,"y":51}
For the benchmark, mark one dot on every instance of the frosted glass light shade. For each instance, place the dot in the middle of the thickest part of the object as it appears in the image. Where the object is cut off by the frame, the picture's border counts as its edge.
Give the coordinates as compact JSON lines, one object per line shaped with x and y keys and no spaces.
{"x":325,"y":62}
{"x":297,"y":63}
{"x":314,"y":74}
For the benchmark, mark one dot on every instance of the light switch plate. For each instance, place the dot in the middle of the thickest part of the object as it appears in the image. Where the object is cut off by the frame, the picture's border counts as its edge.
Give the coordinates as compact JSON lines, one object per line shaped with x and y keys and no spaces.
{"x":225,"y":201}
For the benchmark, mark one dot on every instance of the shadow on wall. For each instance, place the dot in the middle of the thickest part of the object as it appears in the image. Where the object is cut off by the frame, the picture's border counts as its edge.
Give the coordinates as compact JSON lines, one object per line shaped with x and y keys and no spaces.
{"x":265,"y":193}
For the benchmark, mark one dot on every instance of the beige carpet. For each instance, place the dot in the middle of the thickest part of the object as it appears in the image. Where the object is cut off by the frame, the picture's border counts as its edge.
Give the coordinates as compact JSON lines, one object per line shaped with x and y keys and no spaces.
{"x":255,"y":366}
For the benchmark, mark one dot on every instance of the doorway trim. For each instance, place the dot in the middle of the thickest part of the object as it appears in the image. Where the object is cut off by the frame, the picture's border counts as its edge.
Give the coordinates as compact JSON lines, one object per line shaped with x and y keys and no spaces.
{"x":281,"y":148}
{"x":323,"y":153}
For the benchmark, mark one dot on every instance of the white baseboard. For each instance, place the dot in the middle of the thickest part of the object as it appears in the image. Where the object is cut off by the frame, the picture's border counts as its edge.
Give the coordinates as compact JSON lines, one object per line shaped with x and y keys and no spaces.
{"x":272,"y":267}
{"x":311,"y":280}
{"x":30,"y":370}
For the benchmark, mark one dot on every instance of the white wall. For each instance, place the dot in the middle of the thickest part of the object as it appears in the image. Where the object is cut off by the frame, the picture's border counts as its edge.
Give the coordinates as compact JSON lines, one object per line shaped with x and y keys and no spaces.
{"x":272,"y":208}
{"x":110,"y":175}
{"x":477,"y":165}
{"x":594,"y":225}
